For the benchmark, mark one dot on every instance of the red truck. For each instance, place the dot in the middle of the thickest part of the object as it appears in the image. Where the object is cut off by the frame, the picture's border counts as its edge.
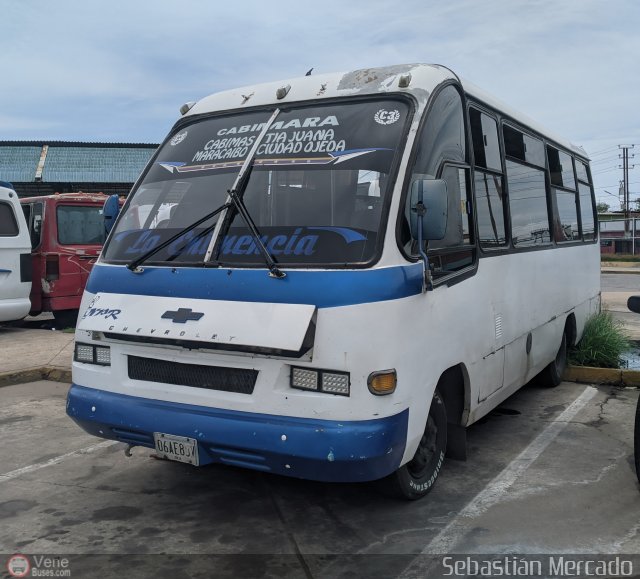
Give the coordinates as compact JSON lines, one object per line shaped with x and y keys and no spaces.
{"x":67,"y":233}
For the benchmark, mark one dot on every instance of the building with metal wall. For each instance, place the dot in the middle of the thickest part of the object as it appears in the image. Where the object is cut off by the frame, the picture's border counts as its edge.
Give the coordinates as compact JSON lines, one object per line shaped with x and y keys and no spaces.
{"x":46,"y":167}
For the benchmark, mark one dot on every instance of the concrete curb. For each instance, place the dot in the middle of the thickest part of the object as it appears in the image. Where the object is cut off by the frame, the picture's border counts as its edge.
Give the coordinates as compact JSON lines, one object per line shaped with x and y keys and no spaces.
{"x":629,"y":270}
{"x":590,"y":375}
{"x":34,"y":374}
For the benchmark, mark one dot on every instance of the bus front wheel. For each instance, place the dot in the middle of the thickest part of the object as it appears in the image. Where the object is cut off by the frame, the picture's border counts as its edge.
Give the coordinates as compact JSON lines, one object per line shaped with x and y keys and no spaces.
{"x":416,"y":478}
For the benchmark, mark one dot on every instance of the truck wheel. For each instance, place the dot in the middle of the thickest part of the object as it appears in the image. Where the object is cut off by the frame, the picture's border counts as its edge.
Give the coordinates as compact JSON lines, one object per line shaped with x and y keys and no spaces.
{"x":551,"y":376}
{"x":416,"y":478}
{"x":65,"y":318}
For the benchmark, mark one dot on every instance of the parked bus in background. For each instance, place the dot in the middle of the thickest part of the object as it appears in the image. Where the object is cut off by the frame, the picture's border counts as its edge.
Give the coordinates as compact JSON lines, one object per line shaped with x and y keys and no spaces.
{"x":333,"y":276}
{"x":15,"y":260}
{"x":67,"y":233}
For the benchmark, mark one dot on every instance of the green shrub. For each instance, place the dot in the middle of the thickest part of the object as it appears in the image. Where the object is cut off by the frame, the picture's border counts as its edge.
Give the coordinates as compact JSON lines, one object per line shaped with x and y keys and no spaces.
{"x":602,"y":344}
{"x":619,"y":257}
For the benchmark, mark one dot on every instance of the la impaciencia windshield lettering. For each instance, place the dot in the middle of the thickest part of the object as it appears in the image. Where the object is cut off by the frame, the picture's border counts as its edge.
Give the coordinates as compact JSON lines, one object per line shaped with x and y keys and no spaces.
{"x":192,"y":245}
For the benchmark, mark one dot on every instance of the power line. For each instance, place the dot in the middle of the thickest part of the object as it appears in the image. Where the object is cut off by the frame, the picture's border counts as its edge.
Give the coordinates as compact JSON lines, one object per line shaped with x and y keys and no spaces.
{"x":605,"y":170}
{"x":604,"y":150}
{"x":605,"y":159}
{"x":617,"y":185}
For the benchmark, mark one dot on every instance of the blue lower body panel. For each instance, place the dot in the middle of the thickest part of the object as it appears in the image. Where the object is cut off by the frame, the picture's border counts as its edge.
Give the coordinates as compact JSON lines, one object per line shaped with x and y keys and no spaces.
{"x":322,"y":450}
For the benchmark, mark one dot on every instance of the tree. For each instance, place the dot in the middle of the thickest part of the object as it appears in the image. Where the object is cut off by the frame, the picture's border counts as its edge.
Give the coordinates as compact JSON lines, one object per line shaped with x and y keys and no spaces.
{"x":602,"y":207}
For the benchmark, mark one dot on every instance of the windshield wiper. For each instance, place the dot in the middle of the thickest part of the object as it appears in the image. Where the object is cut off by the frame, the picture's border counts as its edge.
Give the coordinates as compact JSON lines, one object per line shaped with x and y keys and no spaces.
{"x":241,"y":208}
{"x":235,"y":197}
{"x":135,"y":264}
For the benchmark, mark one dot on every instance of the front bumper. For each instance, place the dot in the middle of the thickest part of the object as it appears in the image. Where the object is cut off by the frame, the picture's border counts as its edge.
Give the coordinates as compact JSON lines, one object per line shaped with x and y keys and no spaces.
{"x":322,"y":450}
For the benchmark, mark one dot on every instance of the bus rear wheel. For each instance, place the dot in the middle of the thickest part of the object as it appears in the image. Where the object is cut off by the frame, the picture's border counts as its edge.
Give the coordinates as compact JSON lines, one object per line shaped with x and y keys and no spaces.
{"x":551,"y":376}
{"x":416,"y":478}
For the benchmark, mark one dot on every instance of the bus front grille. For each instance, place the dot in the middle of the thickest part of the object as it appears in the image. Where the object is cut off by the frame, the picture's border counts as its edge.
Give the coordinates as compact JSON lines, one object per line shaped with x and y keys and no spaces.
{"x":211,"y":377}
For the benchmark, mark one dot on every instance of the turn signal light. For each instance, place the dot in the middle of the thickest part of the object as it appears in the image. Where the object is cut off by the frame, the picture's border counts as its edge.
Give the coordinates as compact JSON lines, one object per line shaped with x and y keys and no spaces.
{"x":382,"y":382}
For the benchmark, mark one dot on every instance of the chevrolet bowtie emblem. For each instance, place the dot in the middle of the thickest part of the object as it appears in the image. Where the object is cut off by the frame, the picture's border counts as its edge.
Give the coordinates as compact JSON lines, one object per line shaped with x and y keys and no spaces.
{"x":182,"y":316}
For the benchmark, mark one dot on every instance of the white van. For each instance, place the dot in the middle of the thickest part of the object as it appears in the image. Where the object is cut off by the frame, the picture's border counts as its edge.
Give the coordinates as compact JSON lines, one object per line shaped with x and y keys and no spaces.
{"x":15,"y":257}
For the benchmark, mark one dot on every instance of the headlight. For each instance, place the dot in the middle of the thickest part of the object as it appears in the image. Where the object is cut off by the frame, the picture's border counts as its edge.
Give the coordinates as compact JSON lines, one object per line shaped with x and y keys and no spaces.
{"x":335,"y":383}
{"x":90,"y":354}
{"x":103,"y":355}
{"x":303,"y":378}
{"x":328,"y":381}
{"x":84,"y":353}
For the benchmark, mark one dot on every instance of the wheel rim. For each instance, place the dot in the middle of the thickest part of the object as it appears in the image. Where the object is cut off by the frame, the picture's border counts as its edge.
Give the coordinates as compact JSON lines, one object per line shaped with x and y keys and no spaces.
{"x":426,"y":450}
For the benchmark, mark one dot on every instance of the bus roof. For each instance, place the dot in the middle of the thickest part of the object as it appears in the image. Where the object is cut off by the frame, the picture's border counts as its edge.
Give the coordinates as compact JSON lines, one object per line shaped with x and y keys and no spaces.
{"x":423,"y":80}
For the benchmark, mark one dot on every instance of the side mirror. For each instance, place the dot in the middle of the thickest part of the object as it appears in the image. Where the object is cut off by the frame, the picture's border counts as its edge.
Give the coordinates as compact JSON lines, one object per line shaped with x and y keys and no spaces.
{"x":110,"y":211}
{"x":429,"y":205}
{"x":633,"y":303}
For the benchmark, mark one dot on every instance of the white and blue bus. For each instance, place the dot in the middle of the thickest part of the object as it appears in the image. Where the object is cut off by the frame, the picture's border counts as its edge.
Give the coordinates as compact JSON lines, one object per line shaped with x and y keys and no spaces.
{"x":331,"y":277}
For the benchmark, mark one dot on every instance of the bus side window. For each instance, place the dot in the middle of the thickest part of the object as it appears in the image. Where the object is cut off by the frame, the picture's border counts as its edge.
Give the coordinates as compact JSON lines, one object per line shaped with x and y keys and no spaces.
{"x":563,"y":193}
{"x":527,"y":189}
{"x":587,"y":203}
{"x":488,"y":181}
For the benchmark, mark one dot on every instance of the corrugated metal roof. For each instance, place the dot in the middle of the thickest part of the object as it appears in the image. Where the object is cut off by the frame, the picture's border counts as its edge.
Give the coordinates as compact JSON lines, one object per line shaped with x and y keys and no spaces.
{"x":18,"y":163}
{"x":73,"y":162}
{"x":107,"y":165}
{"x":101,"y":144}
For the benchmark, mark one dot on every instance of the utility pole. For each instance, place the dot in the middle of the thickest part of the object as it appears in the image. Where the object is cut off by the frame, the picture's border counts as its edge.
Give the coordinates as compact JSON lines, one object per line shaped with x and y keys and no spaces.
{"x":625,"y":184}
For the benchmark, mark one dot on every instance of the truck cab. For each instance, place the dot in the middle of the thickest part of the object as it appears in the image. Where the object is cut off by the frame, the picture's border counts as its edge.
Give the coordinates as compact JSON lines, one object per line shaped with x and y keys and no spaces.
{"x":67,"y":233}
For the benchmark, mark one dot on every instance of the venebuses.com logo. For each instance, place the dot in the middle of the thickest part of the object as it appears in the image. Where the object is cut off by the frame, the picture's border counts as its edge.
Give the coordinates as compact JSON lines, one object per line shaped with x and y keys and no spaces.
{"x":20,"y":565}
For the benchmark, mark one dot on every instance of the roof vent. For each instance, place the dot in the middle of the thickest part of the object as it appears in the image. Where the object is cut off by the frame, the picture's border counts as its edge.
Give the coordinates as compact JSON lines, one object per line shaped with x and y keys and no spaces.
{"x":186,"y":107}
{"x":405,"y":80}
{"x":283,"y":91}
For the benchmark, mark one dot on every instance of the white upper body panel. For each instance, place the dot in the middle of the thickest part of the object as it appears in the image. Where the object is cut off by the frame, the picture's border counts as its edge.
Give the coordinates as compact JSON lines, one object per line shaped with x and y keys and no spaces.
{"x":424,"y":78}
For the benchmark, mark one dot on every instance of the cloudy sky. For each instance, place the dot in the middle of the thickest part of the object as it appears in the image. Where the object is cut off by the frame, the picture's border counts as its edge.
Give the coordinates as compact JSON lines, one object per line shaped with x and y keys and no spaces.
{"x":119,"y":70}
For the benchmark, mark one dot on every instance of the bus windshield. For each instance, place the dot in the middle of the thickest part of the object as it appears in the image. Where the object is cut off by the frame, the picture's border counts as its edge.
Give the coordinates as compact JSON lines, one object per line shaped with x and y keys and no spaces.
{"x":316,"y":193}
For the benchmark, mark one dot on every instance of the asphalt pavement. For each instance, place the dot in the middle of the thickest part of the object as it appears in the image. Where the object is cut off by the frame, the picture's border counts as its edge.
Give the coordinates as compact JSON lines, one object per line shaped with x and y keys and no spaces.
{"x":548,"y":472}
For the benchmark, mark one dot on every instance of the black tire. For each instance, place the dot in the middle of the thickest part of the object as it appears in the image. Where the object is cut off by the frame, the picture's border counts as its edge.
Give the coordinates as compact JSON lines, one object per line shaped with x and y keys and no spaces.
{"x":636,"y":440}
{"x":65,"y":318}
{"x":551,"y":376}
{"x":416,"y":478}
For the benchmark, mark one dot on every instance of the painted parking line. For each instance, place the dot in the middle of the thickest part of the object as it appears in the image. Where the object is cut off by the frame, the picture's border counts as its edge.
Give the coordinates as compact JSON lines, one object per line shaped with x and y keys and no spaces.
{"x":56,"y":460}
{"x":494,"y":492}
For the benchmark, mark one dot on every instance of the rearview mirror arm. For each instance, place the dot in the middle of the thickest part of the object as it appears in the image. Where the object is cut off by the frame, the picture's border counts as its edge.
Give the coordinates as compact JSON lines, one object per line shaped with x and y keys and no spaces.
{"x":427,"y":282}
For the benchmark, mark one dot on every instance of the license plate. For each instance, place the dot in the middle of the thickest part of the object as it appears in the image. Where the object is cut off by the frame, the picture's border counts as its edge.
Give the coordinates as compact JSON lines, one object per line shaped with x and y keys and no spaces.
{"x":180,"y":448}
